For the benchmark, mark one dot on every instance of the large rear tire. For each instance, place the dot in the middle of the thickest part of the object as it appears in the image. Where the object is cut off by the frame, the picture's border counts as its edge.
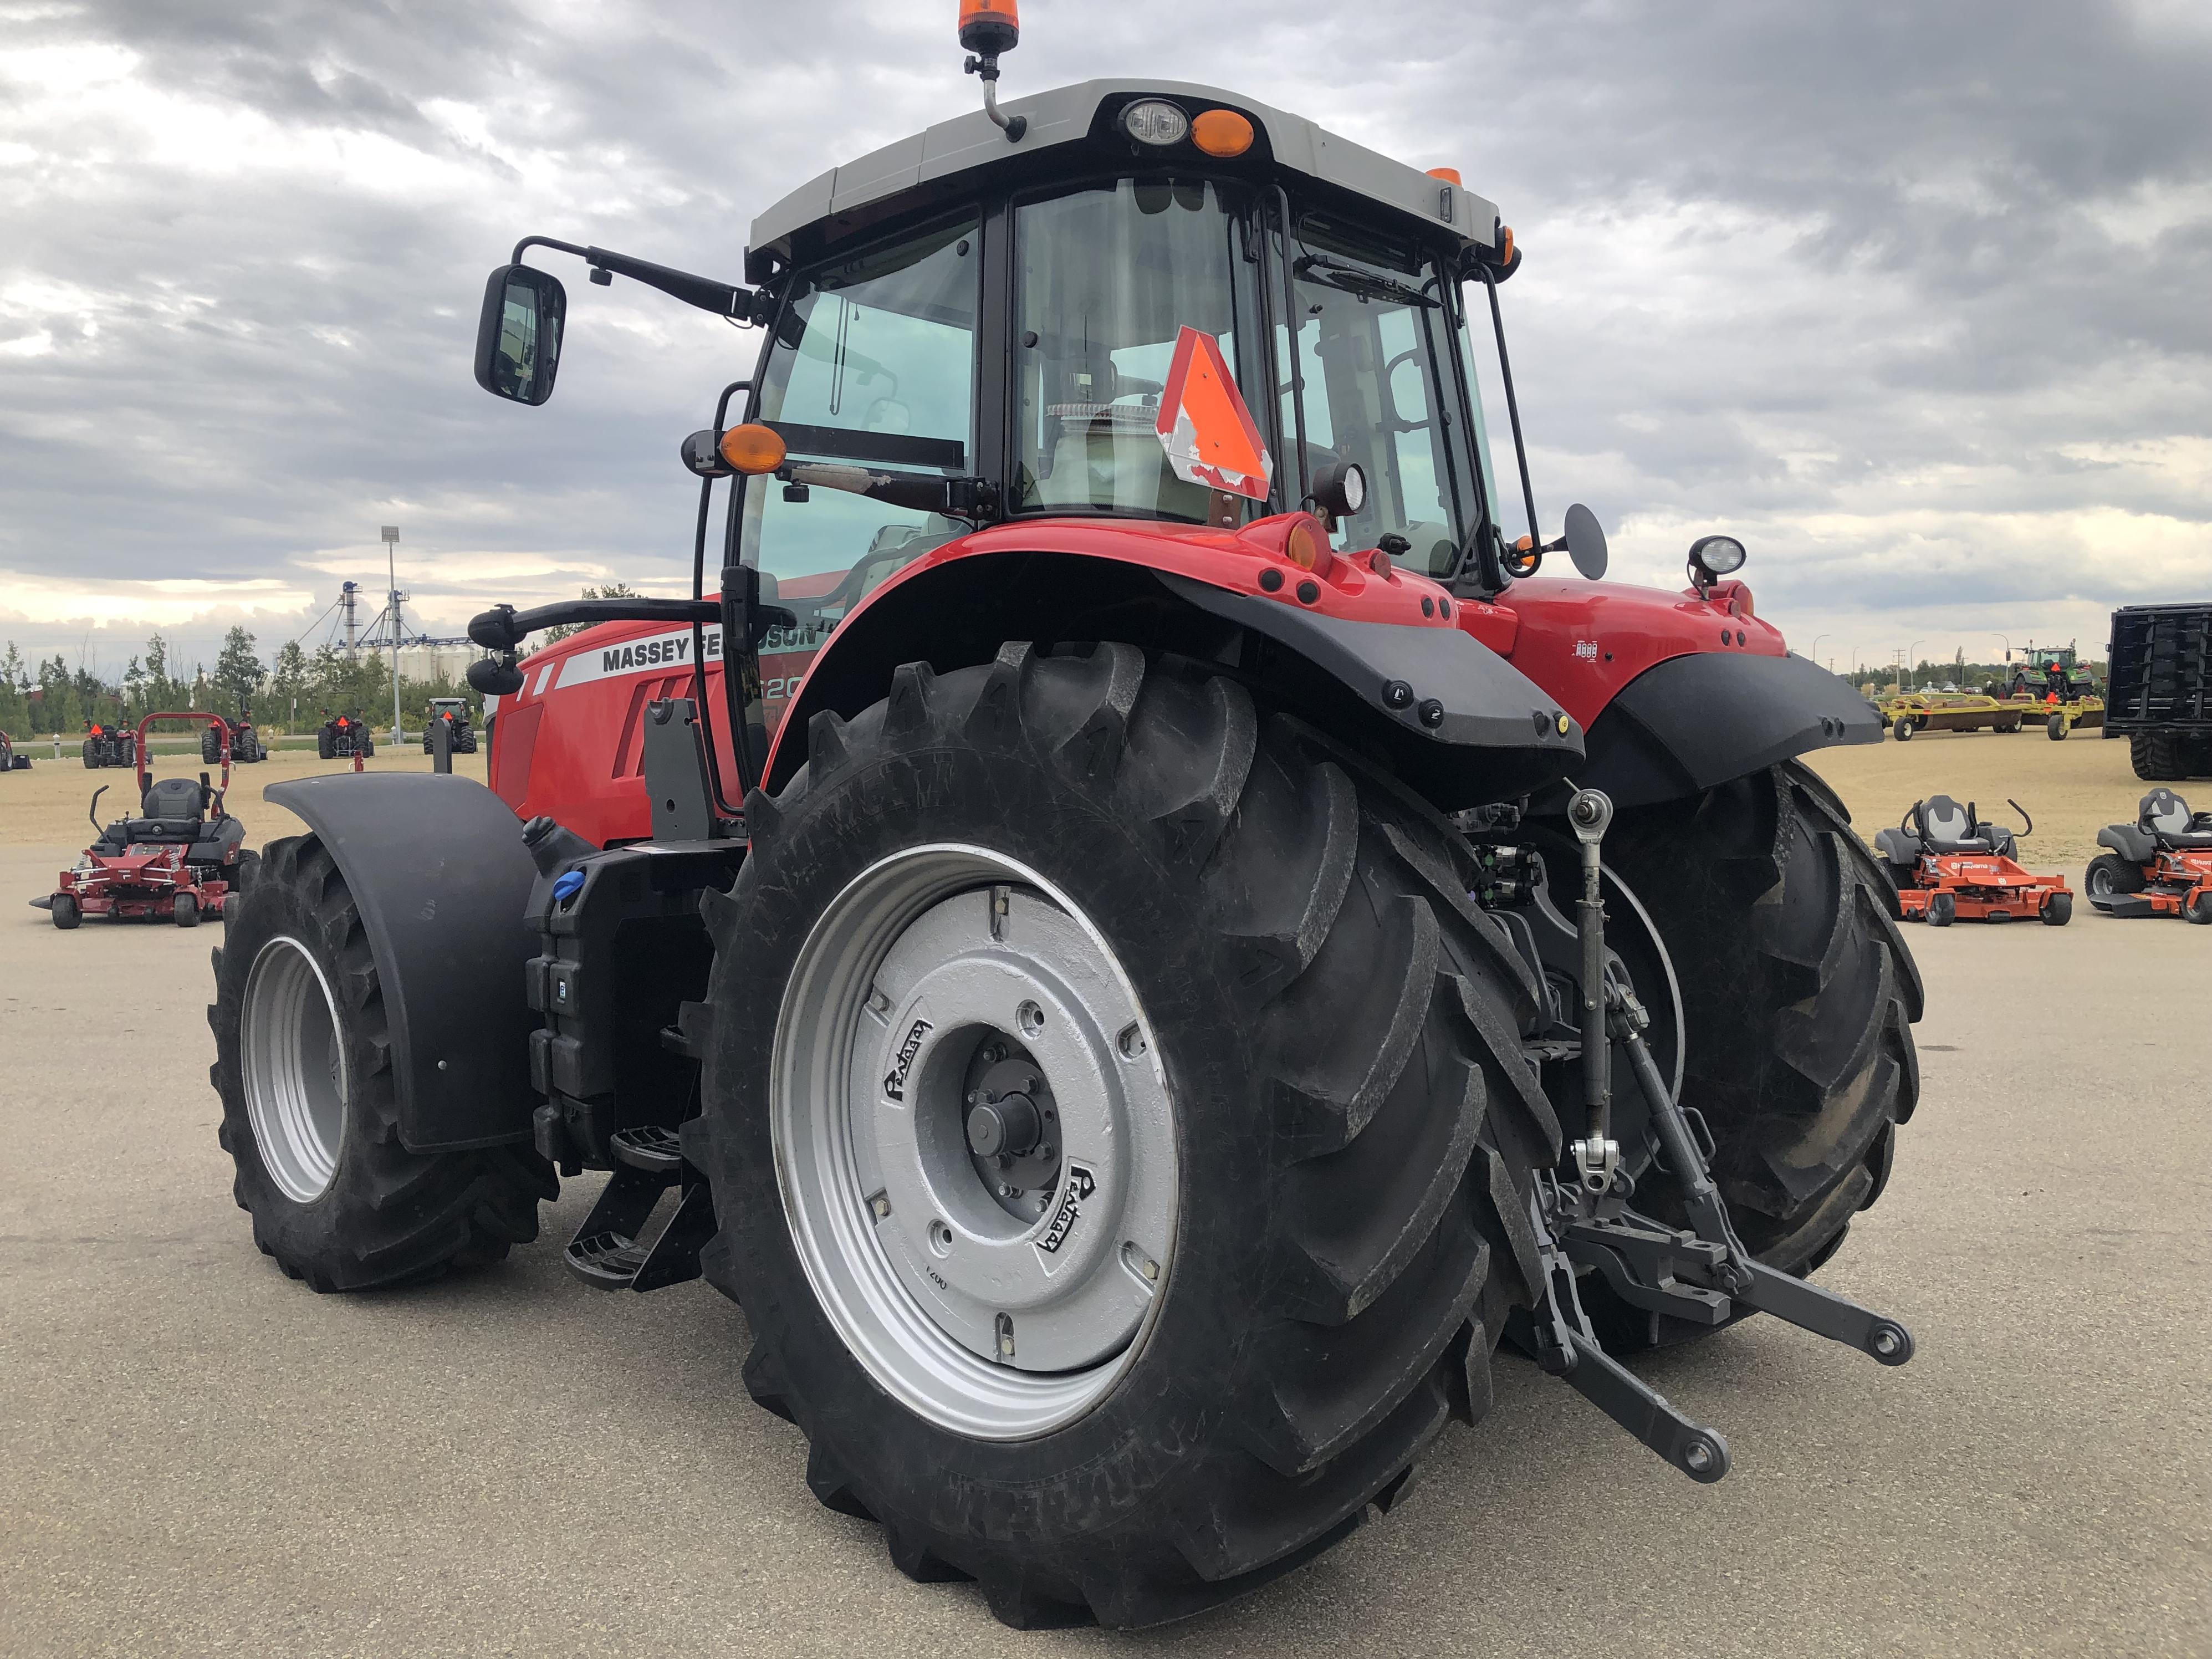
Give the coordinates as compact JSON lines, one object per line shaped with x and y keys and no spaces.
{"x":2156,"y":756}
{"x":310,"y":1115}
{"x":1330,"y":1131}
{"x":1798,"y":997}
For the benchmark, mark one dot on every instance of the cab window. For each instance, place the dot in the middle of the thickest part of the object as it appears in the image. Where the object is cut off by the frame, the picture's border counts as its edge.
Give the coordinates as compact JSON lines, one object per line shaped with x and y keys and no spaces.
{"x":873,"y":362}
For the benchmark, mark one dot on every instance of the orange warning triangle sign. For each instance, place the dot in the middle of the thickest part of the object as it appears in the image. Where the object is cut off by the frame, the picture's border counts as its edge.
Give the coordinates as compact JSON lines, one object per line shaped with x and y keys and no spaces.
{"x":1209,"y":434}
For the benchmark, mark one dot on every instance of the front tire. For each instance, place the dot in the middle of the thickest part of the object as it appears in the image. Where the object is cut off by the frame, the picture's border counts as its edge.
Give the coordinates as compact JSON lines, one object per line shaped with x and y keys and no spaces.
{"x":1798,"y":994}
{"x":2056,"y":727}
{"x":310,"y":1115}
{"x":2058,"y":909}
{"x":64,"y":913}
{"x":1902,"y":730}
{"x":1324,"y":1029}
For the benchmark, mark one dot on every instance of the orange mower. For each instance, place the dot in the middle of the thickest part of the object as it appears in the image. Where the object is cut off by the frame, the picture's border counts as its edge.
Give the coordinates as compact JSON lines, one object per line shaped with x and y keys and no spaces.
{"x":2159,"y":866}
{"x":1949,"y":865}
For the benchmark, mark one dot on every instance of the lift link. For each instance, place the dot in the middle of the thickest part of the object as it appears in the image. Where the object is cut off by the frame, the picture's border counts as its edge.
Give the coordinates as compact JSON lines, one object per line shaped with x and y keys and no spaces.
{"x":1701,"y":1274}
{"x":1597,"y":1155}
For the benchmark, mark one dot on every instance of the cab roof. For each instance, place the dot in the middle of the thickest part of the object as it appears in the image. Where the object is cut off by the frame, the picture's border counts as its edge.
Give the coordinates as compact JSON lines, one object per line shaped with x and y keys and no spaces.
{"x":840,"y":200}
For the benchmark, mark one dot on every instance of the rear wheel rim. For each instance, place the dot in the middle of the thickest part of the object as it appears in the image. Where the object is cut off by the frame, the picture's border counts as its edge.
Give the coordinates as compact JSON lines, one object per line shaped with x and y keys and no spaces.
{"x":292,"y":1068}
{"x":2100,"y":881}
{"x":943,"y":978}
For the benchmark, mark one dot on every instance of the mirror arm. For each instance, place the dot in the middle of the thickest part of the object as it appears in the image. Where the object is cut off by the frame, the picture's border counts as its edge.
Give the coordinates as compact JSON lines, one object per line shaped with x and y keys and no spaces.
{"x":502,"y":628}
{"x":722,"y":298}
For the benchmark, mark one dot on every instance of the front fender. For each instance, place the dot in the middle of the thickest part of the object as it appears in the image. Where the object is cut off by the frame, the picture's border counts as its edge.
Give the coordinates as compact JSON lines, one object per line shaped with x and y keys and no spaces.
{"x":1693,"y":722}
{"x":438,"y":872}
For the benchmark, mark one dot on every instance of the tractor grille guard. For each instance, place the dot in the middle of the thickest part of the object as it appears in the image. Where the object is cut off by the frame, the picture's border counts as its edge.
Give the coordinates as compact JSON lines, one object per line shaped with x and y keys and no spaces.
{"x":1701,"y":1274}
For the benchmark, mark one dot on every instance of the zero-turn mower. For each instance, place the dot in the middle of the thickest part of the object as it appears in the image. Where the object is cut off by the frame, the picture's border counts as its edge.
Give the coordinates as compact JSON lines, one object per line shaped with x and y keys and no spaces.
{"x":1949,"y":865}
{"x":2159,"y":866}
{"x":179,"y":860}
{"x":10,"y":760}
{"x":1126,"y":918}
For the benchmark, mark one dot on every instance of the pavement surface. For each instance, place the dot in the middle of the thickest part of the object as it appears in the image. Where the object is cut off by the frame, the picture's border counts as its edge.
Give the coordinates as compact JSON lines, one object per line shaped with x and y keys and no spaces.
{"x":199,"y":1456}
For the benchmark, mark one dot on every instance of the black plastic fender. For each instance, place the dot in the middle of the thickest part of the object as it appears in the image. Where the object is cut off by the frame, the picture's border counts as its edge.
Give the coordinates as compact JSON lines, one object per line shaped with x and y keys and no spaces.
{"x":1453,"y":719}
{"x":1690,"y":723}
{"x":438,"y":872}
{"x":2131,"y":842}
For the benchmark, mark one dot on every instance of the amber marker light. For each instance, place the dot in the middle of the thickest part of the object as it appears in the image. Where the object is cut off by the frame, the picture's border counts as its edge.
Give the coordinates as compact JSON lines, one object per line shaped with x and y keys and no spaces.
{"x":752,"y":450}
{"x":1221,"y":132}
{"x":1449,"y":175}
{"x":1307,"y":546}
{"x":989,"y":27}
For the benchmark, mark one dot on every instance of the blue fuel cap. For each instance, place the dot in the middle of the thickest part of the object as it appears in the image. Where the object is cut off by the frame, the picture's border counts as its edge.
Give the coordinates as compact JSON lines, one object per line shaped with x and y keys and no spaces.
{"x":568,"y":885}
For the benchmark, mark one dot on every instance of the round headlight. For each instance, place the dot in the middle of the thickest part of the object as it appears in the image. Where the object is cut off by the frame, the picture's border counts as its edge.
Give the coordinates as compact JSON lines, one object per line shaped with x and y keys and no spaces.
{"x":1155,"y":121}
{"x":1714,"y":556}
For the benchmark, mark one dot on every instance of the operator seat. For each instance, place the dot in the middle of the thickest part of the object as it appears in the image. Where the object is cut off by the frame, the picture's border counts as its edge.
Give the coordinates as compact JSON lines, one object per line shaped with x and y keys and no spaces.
{"x":1949,"y":827}
{"x":2166,"y":816}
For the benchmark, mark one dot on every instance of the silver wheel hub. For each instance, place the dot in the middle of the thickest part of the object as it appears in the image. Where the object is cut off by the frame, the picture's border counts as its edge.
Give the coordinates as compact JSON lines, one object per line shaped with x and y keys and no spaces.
{"x":292,"y":1066}
{"x":975,"y":1141}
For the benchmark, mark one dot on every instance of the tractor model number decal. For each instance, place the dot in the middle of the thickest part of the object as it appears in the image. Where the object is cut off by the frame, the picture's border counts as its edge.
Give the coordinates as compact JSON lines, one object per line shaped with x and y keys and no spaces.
{"x":1080,"y":1185}
{"x":1586,"y":649}
{"x":895,"y":1081}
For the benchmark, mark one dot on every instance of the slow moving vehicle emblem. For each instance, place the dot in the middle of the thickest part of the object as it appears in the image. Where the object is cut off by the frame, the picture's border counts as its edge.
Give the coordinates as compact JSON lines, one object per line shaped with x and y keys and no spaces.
{"x":1209,"y":434}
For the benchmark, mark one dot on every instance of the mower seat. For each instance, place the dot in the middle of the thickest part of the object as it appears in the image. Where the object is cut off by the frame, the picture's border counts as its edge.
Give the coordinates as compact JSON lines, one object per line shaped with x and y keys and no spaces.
{"x":2166,"y":816}
{"x":1900,"y":847}
{"x":1951,"y":828}
{"x":174,"y":811}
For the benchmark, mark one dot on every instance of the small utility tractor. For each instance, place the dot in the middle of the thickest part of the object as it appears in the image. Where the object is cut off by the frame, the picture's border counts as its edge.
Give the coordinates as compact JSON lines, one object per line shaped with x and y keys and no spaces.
{"x":10,"y":760}
{"x":344,"y":737}
{"x":1950,"y":865}
{"x":106,"y":745}
{"x":181,"y":858}
{"x":461,"y":735}
{"x":2159,"y":866}
{"x":245,"y":745}
{"x":1128,"y":918}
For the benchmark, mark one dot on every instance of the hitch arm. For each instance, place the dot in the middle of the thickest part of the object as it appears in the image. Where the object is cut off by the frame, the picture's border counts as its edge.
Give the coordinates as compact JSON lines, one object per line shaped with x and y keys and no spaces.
{"x":1629,"y":1401}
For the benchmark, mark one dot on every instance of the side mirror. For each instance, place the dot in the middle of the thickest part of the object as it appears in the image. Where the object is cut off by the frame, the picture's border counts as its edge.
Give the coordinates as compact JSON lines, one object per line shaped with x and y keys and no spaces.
{"x":1585,"y":539}
{"x":495,"y":677}
{"x":518,"y":334}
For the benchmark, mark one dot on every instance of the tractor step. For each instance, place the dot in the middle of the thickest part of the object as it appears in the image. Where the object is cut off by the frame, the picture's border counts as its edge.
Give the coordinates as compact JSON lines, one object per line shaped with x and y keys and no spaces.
{"x":650,"y":1148}
{"x":610,"y":1250}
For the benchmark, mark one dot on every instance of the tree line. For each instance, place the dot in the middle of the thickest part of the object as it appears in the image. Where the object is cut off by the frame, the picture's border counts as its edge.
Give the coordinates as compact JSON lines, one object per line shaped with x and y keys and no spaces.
{"x":288,"y":694}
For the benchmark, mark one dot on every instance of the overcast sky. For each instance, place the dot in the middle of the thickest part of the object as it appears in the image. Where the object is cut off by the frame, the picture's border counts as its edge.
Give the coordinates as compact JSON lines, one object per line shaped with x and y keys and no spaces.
{"x":1914,"y":298}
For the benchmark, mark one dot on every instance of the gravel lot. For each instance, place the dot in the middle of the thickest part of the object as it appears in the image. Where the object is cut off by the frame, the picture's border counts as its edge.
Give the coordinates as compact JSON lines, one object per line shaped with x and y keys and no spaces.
{"x":197,"y":1455}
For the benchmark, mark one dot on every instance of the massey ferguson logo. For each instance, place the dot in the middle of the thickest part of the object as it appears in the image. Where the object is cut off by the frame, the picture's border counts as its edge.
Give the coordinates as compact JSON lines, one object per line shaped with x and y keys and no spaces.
{"x":894,"y":1084}
{"x":1080,"y":1185}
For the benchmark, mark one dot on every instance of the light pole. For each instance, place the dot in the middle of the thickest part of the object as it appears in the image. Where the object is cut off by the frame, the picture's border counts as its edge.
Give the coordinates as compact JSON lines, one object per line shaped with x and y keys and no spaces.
{"x":1913,"y":656}
{"x":391,"y":603}
{"x":1814,"y":654}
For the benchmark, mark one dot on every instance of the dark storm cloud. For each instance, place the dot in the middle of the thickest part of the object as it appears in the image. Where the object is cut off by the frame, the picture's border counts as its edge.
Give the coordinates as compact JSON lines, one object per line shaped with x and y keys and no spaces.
{"x":1913,"y":297}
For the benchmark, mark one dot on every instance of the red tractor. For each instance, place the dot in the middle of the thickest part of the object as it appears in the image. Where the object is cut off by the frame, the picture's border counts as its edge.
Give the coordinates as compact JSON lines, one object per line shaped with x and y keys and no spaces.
{"x":181,"y":858}
{"x":2159,"y":866}
{"x":10,"y":760}
{"x":1125,"y":919}
{"x":1950,"y":865}
{"x":106,"y":745}
{"x":344,"y":737}
{"x":246,"y":747}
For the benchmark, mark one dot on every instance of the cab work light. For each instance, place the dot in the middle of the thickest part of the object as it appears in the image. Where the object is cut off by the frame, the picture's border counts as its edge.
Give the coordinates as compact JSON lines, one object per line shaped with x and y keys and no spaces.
{"x":1155,"y":121}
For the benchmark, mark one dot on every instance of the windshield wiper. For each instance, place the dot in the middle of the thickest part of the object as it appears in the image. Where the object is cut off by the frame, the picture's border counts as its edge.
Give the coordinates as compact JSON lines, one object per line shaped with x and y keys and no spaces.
{"x":1350,"y":279}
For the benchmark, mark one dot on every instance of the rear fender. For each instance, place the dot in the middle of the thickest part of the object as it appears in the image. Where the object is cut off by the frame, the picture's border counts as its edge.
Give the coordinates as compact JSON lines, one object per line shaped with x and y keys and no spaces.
{"x":2131,"y":842}
{"x":1693,"y":722}
{"x":1339,"y":667}
{"x":439,"y":873}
